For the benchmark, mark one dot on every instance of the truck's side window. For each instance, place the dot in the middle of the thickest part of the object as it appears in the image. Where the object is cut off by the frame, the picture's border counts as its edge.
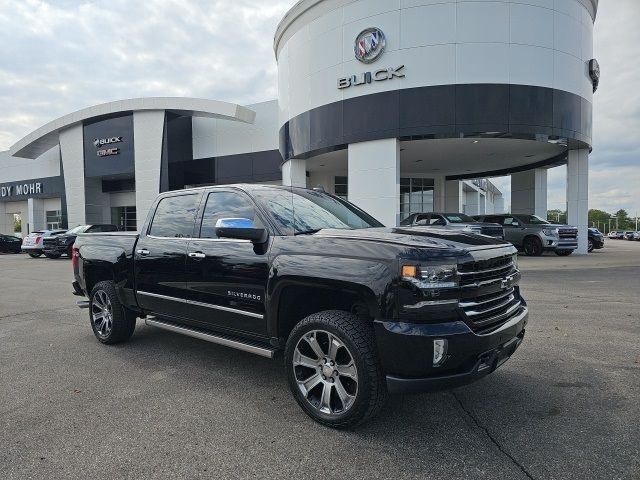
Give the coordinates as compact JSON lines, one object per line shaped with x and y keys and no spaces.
{"x":226,"y":205}
{"x":175,"y":217}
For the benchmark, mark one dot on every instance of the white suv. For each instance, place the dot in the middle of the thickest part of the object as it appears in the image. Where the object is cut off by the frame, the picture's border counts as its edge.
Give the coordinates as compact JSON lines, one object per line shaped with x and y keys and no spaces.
{"x":33,"y":244}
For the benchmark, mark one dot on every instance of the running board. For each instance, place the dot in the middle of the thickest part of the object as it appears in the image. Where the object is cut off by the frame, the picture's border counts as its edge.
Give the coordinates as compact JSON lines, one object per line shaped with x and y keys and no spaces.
{"x":210,"y":337}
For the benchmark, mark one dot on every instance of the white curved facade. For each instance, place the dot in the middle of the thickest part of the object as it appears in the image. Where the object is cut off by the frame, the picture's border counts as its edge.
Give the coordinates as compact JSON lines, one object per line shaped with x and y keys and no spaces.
{"x":544,"y":43}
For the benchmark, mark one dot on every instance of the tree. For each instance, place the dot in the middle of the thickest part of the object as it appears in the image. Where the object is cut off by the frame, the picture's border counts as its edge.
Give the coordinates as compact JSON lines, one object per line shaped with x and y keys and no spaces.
{"x":17,"y":224}
{"x":599,"y":219}
{"x":623,"y":220}
{"x":556,"y":215}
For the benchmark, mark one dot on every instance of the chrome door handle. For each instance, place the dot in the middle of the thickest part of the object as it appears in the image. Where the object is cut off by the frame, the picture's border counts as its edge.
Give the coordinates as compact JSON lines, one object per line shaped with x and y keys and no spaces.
{"x":197,"y":255}
{"x":143,"y":251}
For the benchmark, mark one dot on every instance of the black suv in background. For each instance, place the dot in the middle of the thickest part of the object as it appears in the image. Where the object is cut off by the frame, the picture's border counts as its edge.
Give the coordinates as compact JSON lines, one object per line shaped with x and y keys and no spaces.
{"x":596,"y":239}
{"x":55,"y":247}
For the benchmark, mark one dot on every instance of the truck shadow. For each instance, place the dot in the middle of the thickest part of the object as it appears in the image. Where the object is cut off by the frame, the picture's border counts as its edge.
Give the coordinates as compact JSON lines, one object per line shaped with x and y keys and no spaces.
{"x":509,"y":409}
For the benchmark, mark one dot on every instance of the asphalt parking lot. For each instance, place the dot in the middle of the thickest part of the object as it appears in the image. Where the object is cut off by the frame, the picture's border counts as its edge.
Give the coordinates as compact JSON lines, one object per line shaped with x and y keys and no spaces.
{"x":566,"y":406}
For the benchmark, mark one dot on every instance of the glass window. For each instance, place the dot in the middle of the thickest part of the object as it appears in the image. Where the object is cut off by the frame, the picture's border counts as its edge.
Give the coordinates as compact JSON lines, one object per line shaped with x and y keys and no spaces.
{"x":459,"y":218}
{"x":416,"y":196}
{"x":102,"y":228}
{"x":342,"y":187}
{"x":125,"y":218}
{"x":226,"y":205}
{"x":53,"y":219}
{"x":301,"y":211}
{"x":175,"y":217}
{"x":533,"y":220}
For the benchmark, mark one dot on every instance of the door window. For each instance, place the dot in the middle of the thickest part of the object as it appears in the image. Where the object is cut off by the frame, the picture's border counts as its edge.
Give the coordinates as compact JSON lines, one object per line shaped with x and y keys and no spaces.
{"x":510,"y":222}
{"x":175,"y":217}
{"x":226,"y":205}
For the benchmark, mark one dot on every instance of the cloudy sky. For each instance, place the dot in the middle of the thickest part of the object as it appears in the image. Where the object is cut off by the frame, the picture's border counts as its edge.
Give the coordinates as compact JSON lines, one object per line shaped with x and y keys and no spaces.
{"x":58,"y":56}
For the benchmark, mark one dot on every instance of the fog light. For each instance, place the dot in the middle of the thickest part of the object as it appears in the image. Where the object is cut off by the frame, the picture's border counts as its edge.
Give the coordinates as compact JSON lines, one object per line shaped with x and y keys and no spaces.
{"x":439,"y":352}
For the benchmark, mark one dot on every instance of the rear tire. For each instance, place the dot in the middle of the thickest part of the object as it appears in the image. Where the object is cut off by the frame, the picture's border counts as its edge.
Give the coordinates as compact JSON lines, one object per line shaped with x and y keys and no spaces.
{"x":590,"y":246}
{"x":52,"y":256}
{"x":35,"y":255}
{"x":564,"y":253}
{"x":533,"y":246}
{"x":333,"y":370}
{"x":110,"y":321}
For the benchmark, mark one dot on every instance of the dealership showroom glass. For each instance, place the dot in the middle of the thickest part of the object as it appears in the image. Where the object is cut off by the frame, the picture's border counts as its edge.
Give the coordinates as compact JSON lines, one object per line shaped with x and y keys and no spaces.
{"x":400,"y":106}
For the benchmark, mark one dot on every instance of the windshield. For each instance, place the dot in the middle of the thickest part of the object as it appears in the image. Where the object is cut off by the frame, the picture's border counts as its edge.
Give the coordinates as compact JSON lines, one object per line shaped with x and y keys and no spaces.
{"x":459,"y":218}
{"x":78,"y":229}
{"x":305,"y":211}
{"x":533,"y":220}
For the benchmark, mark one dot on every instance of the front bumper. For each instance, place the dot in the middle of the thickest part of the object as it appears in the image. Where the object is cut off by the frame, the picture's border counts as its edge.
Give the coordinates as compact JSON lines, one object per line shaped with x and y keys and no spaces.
{"x":57,"y":249}
{"x":406,"y":352}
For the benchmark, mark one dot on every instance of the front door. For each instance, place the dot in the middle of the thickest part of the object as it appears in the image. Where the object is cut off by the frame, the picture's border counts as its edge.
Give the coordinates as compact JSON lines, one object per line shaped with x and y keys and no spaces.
{"x":161,"y":253}
{"x":227,"y":278}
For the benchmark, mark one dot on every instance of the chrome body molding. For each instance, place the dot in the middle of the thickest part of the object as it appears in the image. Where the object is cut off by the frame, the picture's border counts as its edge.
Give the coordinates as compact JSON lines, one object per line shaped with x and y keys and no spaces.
{"x":200,"y":304}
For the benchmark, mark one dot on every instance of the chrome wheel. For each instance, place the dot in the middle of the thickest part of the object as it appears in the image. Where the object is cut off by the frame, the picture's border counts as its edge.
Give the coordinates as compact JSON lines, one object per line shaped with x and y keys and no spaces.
{"x":325,"y":372}
{"x":102,"y":313}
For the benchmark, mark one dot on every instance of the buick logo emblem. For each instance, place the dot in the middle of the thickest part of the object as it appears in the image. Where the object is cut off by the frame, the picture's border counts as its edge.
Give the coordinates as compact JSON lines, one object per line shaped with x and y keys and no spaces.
{"x":370,"y":45}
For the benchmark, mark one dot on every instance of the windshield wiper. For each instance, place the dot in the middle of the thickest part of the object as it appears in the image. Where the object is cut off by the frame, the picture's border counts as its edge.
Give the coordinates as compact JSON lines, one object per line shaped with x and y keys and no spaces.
{"x":308,"y":232}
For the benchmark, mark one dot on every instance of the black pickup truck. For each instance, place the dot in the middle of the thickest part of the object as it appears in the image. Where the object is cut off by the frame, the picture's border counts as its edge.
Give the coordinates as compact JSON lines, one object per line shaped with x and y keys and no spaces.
{"x":357,"y":310}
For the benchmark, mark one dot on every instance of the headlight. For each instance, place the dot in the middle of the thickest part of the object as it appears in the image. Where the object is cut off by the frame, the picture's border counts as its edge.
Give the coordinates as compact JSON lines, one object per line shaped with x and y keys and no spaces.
{"x":550,"y":232}
{"x":431,"y":276}
{"x":515,"y":262}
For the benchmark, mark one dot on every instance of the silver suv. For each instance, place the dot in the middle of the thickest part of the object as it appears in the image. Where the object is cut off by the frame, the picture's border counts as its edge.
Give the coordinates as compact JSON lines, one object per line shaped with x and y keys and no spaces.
{"x":535,"y":235}
{"x":453,"y":221}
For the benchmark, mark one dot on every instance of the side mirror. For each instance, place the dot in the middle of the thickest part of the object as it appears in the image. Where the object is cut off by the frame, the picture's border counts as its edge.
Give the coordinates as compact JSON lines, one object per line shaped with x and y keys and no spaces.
{"x":240,"y":229}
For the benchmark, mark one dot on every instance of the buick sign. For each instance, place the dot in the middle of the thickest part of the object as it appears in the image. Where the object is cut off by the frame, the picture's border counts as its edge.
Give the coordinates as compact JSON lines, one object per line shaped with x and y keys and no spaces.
{"x":106,"y":152}
{"x":99,"y":142}
{"x":370,"y":44}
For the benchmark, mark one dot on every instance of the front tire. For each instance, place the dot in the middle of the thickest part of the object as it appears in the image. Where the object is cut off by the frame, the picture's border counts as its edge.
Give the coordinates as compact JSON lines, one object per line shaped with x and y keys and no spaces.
{"x":110,"y":321}
{"x":533,"y":246}
{"x":564,"y":253}
{"x":590,"y":246}
{"x":35,"y":255}
{"x":333,"y":369}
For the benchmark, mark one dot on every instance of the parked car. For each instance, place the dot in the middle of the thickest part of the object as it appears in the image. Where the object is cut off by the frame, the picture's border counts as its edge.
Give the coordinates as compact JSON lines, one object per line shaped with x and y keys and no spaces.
{"x":55,"y":247}
{"x":33,"y":244}
{"x":358,"y":310}
{"x":454,"y":221}
{"x":615,"y":235}
{"x":10,"y":244}
{"x":596,"y":239}
{"x":535,"y":235}
{"x":629,"y":235}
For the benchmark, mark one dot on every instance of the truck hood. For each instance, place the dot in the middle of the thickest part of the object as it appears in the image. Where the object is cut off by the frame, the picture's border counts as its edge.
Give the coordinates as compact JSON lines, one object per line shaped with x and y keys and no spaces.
{"x":420,"y":237}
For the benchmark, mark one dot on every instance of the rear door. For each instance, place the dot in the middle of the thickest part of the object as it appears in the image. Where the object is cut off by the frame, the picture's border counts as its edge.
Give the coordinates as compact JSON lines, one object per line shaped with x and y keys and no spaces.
{"x":160,"y":255}
{"x":227,"y":278}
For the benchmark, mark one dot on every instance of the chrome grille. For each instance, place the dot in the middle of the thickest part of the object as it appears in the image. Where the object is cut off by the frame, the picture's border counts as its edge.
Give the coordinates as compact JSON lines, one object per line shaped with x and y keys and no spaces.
{"x":568,"y":233}
{"x":487,"y":312}
{"x":485,"y":271}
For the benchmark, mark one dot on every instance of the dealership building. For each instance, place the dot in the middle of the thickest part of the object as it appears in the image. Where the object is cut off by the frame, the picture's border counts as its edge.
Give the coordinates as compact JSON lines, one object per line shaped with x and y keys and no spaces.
{"x":400,"y":106}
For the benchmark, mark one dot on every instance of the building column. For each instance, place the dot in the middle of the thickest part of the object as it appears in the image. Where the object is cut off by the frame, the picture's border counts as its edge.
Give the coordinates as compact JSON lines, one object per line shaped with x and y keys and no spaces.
{"x":148,"y":131}
{"x":294,"y":173}
{"x":72,"y":153}
{"x":453,"y":196}
{"x":374,"y":179}
{"x":529,"y":192}
{"x":35,"y":214}
{"x":439,"y":194}
{"x":578,"y":195}
{"x":6,"y":220}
